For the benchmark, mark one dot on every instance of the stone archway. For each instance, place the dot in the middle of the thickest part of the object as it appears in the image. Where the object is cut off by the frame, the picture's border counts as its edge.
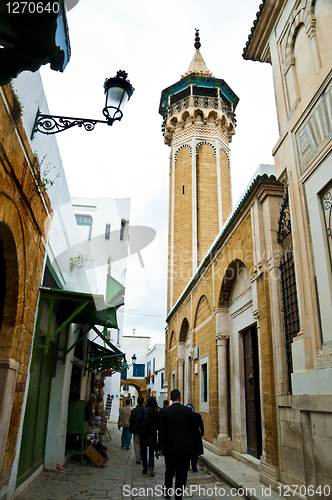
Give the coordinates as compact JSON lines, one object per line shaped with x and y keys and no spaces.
{"x":138,"y":384}
{"x":8,"y":311}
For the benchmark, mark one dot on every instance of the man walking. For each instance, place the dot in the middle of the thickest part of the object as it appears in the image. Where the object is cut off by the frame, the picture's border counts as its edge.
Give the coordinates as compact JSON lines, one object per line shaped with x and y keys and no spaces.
{"x":135,"y":426}
{"x":123,"y":422}
{"x":176,"y":434}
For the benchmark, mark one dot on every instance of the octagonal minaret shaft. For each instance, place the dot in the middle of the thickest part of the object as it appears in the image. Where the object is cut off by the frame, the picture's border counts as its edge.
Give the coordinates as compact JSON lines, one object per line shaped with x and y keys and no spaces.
{"x":198,"y":125}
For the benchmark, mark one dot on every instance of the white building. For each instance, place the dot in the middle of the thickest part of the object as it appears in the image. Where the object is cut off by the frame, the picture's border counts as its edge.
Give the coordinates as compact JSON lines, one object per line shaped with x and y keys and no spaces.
{"x":147,"y":375}
{"x":103,"y":227}
{"x":155,"y":369}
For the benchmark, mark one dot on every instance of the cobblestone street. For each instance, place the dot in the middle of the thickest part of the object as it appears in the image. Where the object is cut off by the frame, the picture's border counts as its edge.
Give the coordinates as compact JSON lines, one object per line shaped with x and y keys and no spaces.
{"x":120,"y":477}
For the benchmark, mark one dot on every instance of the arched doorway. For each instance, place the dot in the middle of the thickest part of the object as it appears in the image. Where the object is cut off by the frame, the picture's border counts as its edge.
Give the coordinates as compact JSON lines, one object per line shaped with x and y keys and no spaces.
{"x":8,"y":312}
{"x":235,"y":303}
{"x":245,"y":361}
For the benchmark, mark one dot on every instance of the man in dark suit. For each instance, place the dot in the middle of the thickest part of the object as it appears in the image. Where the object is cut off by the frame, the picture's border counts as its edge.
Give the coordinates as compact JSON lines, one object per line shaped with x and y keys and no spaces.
{"x":176,"y":434}
{"x":135,"y":426}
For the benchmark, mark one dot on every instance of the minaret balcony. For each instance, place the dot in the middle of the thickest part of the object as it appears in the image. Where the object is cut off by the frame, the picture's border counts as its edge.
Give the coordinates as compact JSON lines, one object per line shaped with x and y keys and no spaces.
{"x":198,"y":110}
{"x":201,"y":102}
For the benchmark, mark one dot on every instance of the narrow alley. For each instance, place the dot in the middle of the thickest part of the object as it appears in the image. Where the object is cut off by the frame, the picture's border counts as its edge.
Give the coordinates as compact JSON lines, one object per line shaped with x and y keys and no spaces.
{"x":119,"y":478}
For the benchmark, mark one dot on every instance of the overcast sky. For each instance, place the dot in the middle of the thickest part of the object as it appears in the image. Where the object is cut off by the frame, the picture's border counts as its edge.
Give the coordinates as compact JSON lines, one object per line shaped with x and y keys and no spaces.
{"x":154,"y":42}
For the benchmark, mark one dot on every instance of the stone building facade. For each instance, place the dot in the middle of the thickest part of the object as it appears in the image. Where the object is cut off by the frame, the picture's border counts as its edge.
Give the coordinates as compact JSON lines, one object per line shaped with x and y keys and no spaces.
{"x":295,"y":38}
{"x":25,"y":216}
{"x":224,"y":287}
{"x":222,"y":319}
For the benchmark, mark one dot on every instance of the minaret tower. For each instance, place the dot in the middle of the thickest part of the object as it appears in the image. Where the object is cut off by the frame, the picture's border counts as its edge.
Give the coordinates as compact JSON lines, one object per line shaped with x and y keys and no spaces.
{"x":198,"y":125}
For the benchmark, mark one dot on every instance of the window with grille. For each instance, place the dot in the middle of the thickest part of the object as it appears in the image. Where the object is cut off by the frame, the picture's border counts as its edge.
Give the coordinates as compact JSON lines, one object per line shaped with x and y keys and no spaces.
{"x":290,"y":307}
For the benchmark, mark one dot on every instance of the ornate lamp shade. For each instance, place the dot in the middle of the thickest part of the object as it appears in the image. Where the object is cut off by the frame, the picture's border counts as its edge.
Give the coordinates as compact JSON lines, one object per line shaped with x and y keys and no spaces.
{"x":133,"y":359}
{"x":118,"y":91}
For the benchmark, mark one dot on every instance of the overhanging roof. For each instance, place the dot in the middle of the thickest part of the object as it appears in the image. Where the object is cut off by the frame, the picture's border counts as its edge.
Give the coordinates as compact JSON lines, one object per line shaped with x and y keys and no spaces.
{"x":268,"y":12}
{"x":30,"y":38}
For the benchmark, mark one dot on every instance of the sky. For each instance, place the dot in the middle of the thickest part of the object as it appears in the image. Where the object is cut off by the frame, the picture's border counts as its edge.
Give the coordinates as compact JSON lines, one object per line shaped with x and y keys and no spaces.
{"x":154,"y":42}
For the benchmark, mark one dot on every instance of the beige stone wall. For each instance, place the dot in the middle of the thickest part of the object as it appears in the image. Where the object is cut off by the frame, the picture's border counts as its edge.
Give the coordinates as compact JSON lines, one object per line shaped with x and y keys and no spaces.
{"x":182,"y":222}
{"x":204,"y":325}
{"x":23,"y":228}
{"x":207,"y":199}
{"x":226,"y":189}
{"x":267,"y":369}
{"x":213,"y":290}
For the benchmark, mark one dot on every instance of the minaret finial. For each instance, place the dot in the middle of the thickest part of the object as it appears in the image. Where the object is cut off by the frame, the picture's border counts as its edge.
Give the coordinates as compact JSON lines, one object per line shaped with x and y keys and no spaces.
{"x":197,"y":43}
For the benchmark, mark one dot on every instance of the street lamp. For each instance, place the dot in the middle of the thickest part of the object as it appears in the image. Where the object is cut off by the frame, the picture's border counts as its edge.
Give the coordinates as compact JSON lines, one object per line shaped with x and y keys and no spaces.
{"x":133,"y":359}
{"x":118,"y":91}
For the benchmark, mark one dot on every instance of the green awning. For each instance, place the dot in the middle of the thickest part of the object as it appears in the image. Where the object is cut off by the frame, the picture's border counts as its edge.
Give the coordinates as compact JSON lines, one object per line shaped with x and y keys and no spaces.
{"x":72,"y":307}
{"x":114,"y":292}
{"x":100,"y":358}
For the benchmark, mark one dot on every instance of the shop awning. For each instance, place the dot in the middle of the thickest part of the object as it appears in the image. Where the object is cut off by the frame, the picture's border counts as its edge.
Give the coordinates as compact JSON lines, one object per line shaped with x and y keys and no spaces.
{"x":32,"y":34}
{"x":101,"y":358}
{"x":81,"y":308}
{"x":72,"y":307}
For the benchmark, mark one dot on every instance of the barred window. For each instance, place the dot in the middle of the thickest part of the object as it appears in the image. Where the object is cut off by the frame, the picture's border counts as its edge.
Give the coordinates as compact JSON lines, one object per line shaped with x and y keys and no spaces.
{"x":290,"y":308}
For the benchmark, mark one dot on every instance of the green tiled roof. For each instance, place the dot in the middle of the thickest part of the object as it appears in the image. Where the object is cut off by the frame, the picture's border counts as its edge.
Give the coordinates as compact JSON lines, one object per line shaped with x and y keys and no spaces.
{"x":261,"y":7}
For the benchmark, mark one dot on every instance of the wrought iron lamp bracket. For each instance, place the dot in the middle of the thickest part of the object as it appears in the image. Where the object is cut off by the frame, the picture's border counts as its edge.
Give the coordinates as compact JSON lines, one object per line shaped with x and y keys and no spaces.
{"x":50,"y":125}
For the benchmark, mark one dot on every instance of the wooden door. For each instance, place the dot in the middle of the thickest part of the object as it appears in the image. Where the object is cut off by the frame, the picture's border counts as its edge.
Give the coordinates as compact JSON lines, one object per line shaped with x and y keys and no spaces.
{"x":251,"y":370}
{"x":36,"y":416}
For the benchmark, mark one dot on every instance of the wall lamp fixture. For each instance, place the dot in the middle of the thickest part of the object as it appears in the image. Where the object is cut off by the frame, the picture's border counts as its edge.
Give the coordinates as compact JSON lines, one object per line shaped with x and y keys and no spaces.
{"x":118,"y":91}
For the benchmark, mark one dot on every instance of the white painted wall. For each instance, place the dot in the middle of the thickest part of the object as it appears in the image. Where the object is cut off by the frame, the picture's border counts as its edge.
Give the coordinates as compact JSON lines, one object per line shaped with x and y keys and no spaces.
{"x":106,"y":256}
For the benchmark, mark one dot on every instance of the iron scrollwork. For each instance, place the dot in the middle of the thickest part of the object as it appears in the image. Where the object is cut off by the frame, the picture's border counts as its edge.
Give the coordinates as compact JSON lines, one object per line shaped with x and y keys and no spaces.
{"x":285,"y":227}
{"x":47,"y":124}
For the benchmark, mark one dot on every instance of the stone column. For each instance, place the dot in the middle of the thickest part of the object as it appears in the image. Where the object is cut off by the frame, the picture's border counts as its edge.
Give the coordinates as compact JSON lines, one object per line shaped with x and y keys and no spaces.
{"x":180,"y":363}
{"x":222,"y":334}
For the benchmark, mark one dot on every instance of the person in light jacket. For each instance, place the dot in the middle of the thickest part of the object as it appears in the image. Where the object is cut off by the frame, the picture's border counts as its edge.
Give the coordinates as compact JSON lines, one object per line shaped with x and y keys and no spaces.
{"x":124,"y":418}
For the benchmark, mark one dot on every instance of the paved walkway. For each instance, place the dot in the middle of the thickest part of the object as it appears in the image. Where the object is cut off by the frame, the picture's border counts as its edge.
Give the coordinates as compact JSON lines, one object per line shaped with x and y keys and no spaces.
{"x":120,"y":478}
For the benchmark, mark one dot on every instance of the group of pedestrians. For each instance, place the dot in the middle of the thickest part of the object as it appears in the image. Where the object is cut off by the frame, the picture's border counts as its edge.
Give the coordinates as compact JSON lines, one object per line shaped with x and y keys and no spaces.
{"x":175,"y":431}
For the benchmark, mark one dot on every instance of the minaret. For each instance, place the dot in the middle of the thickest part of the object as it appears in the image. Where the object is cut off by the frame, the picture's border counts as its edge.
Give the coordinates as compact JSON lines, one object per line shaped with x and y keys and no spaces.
{"x":199,"y":122}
